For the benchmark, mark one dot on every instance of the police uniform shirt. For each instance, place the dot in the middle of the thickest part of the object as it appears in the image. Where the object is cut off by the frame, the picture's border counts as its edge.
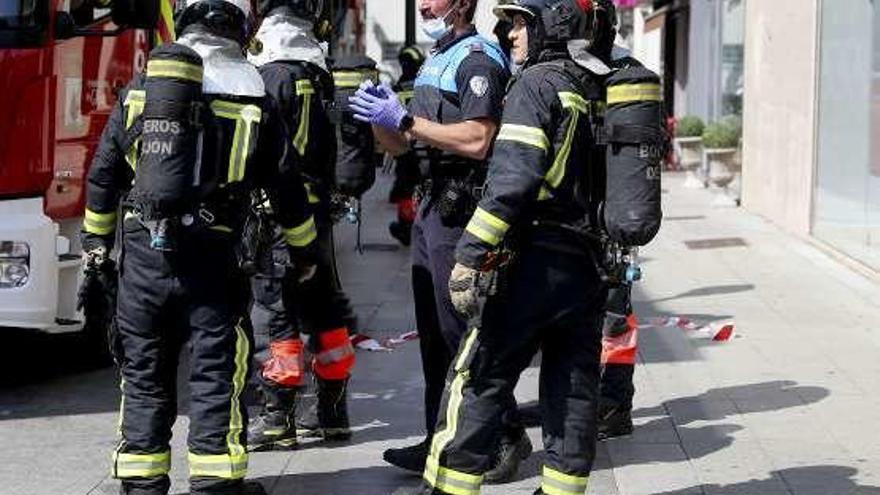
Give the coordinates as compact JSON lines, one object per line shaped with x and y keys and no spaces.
{"x":480,"y":81}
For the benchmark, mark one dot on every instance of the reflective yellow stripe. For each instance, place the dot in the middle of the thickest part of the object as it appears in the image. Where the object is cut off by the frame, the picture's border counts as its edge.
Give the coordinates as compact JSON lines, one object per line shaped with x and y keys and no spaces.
{"x":134,"y":104}
{"x":405,"y":96}
{"x":442,"y":438}
{"x":487,"y":227}
{"x":577,"y":105}
{"x":532,"y":136}
{"x":301,"y":235}
{"x":413,"y":53}
{"x":352,"y":78}
{"x":99,"y":223}
{"x":166,"y":17}
{"x":176,"y":69}
{"x":628,"y":93}
{"x":573,"y":100}
{"x":141,"y":465}
{"x":304,"y":87}
{"x":301,"y":139}
{"x":558,"y":483}
{"x":557,"y":170}
{"x":310,"y":191}
{"x":121,"y":407}
{"x":246,"y":118}
{"x":451,"y":481}
{"x":218,"y":465}
{"x":236,"y":424}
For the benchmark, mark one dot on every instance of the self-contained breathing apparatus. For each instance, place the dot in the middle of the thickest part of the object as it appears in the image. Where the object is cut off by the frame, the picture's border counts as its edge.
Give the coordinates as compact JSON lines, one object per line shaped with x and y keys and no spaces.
{"x":171,"y":135}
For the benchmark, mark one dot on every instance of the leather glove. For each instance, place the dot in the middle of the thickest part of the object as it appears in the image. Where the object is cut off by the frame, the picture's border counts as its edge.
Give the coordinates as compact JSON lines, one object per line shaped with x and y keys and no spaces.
{"x":379,"y":106}
{"x":463,"y":289}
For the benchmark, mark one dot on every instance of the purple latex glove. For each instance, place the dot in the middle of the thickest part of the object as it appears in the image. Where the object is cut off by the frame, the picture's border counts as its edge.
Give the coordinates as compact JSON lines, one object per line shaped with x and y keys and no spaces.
{"x":377,"y":105}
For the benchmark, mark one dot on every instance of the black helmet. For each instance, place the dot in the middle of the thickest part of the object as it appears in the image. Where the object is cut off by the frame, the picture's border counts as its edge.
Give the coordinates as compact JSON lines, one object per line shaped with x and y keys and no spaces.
{"x":411,"y":58}
{"x":318,"y":12}
{"x":232,"y":19}
{"x":606,"y":28}
{"x":551,"y":23}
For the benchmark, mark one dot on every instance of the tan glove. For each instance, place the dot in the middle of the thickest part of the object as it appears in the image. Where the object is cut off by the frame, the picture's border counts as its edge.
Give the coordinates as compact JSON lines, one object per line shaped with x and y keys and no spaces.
{"x":463,"y":285}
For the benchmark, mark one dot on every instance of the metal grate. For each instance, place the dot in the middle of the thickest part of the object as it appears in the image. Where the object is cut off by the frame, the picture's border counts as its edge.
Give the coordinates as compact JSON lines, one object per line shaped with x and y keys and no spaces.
{"x":721,"y":242}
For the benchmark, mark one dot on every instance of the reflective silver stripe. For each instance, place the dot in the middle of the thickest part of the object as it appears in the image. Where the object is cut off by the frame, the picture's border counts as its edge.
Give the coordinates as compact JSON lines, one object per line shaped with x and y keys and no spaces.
{"x":487,"y":227}
{"x":218,"y":466}
{"x":532,"y":136}
{"x":335,"y":355}
{"x":554,"y":482}
{"x":127,"y":465}
{"x":452,"y":481}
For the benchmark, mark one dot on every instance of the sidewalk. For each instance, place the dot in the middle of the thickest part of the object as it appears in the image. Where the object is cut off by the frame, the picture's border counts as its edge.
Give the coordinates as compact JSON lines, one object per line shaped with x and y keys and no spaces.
{"x":788,"y":406}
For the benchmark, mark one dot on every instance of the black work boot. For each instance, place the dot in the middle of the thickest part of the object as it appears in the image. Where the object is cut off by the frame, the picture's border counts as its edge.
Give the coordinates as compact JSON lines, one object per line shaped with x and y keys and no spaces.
{"x":614,"y":422}
{"x":411,"y":458}
{"x":328,"y":418}
{"x":207,"y":486}
{"x":511,"y":452}
{"x":143,"y":486}
{"x":274,"y":427}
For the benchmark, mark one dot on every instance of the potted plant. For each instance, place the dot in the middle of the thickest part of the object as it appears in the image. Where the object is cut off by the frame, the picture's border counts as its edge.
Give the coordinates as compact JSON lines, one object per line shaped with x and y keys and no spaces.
{"x":688,"y":144}
{"x":721,"y":147}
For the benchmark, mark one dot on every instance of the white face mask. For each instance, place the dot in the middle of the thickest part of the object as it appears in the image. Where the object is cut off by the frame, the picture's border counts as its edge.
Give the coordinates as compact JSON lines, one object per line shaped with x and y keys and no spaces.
{"x":437,"y":28}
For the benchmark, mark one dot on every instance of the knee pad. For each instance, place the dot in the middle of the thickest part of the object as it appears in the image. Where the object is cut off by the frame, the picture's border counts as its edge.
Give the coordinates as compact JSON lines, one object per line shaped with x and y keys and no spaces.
{"x":335,"y":357}
{"x":286,"y":365}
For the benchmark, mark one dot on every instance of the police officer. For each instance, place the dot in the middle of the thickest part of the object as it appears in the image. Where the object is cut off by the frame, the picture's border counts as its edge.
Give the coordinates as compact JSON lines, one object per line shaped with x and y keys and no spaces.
{"x":547,"y":294}
{"x":357,"y":157}
{"x":201,"y":114}
{"x":295,"y":72}
{"x":407,"y":174}
{"x":454,"y":113}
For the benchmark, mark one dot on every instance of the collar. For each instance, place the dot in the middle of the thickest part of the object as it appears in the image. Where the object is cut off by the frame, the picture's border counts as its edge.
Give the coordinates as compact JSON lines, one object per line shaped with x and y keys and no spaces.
{"x":451,"y":39}
{"x":287,"y":38}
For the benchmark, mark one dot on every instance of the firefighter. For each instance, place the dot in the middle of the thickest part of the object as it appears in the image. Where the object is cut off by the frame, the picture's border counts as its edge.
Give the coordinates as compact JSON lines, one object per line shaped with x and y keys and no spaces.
{"x":357,"y":158}
{"x":201,"y":113}
{"x":293,"y":66}
{"x":620,"y":328}
{"x":454,"y":114}
{"x":529,"y":247}
{"x":407,"y":174}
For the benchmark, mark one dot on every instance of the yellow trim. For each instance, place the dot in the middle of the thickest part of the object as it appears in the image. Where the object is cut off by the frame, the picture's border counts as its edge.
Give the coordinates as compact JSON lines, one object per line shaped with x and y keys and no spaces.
{"x":442,"y":438}
{"x":352,"y":78}
{"x":176,"y":69}
{"x":312,"y":195}
{"x":218,"y":465}
{"x":236,"y":424}
{"x":413,"y":53}
{"x":451,"y":481}
{"x":301,"y":235}
{"x":134,"y":104}
{"x":558,"y":483}
{"x":628,"y":93}
{"x":246,"y":117}
{"x":573,"y":100}
{"x":532,"y":136}
{"x":304,"y":87}
{"x":487,"y":227}
{"x":127,"y":465}
{"x":557,"y":170}
{"x":405,"y":96}
{"x":121,"y":406}
{"x":99,"y":223}
{"x":301,"y":139}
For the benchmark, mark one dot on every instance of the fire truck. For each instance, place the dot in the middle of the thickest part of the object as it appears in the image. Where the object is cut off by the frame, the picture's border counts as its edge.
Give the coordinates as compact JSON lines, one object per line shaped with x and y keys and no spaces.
{"x":62,"y":63}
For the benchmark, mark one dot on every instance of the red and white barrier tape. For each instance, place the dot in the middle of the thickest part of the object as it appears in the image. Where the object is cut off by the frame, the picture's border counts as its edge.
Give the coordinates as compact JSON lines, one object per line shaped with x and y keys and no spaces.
{"x":719,"y":331}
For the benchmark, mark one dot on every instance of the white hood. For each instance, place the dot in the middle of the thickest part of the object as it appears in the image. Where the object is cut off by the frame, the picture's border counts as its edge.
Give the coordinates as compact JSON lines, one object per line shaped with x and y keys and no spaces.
{"x":285,"y":37}
{"x":580,"y":53}
{"x":227,"y":71}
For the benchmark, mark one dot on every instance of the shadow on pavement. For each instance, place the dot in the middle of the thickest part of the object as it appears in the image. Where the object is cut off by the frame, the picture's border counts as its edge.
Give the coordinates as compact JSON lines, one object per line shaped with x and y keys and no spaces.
{"x":836,"y":480}
{"x":720,"y":403}
{"x":375,"y":480}
{"x":712,"y":290}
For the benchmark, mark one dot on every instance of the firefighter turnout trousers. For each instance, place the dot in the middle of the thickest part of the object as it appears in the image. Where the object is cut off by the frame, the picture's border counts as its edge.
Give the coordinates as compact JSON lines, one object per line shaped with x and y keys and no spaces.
{"x":550,"y":301}
{"x":195,"y":294}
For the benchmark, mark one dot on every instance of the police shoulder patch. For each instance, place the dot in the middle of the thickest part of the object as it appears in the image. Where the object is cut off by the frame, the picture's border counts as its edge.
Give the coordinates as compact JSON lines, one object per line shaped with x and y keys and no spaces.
{"x":479,"y":85}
